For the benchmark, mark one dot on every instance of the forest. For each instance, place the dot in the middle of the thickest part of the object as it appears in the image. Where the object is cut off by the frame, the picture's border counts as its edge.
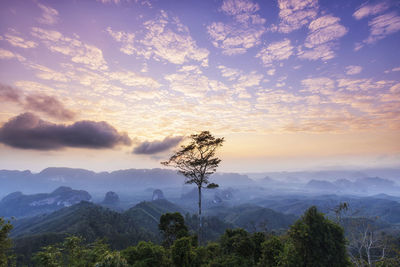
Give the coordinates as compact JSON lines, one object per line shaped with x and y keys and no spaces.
{"x":312,"y":240}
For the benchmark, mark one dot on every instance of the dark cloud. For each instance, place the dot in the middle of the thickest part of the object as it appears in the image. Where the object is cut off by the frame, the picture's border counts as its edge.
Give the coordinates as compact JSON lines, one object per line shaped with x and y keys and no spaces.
{"x":149,"y":148}
{"x":45,"y":104}
{"x":8,"y":93}
{"x":48,"y":105}
{"x":28,"y":131}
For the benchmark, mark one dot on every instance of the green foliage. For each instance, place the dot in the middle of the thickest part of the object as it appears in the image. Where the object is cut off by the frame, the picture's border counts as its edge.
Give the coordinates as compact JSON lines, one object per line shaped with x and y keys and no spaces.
{"x":318,"y":241}
{"x":146,"y":254}
{"x":172,"y":227}
{"x":50,"y":256}
{"x":5,"y":242}
{"x":271,"y":252}
{"x":182,"y":252}
{"x":72,"y":252}
{"x":238,"y":242}
{"x":111,"y":259}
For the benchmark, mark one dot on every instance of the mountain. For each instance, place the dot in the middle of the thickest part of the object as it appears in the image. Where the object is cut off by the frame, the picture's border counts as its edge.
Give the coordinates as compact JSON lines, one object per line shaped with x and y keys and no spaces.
{"x":111,"y":198}
{"x":85,"y":219}
{"x":365,"y":185}
{"x":147,"y":213}
{"x":385,"y":208}
{"x":122,"y":181}
{"x":252,"y":217}
{"x":321,"y":186}
{"x":19,"y":205}
{"x":330,"y":175}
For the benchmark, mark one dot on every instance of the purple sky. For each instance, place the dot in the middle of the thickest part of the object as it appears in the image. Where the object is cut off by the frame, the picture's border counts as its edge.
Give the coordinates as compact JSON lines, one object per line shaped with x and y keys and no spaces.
{"x":117,"y":84}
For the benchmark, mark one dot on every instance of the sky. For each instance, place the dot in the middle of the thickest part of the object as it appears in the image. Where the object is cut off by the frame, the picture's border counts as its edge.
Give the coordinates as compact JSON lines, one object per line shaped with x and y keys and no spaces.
{"x":117,"y":84}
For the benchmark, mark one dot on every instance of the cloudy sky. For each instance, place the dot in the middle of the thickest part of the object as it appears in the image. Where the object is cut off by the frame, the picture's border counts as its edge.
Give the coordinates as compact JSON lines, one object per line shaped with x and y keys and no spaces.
{"x":110,"y":84}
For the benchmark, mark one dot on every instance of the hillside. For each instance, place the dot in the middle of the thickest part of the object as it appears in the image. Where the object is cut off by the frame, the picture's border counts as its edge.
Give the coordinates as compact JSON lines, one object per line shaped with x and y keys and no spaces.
{"x":252,"y":217}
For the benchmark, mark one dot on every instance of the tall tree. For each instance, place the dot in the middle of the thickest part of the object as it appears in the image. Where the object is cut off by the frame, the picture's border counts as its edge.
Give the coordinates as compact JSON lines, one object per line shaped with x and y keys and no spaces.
{"x":197,"y":161}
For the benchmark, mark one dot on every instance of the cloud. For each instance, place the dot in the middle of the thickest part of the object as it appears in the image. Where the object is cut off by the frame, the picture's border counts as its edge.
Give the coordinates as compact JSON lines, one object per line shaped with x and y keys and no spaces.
{"x":229,"y":73}
{"x":142,"y":2}
{"x":8,"y":93}
{"x":79,"y":52}
{"x":323,"y":52}
{"x":243,"y":33}
{"x":130,"y":78}
{"x":155,"y":147}
{"x":241,"y":81}
{"x":39,"y":102}
{"x":126,"y":38}
{"x":323,"y":32}
{"x":271,"y":72}
{"x":352,"y":70}
{"x":49,"y":15}
{"x":322,"y":85}
{"x":109,"y":1}
{"x":6,"y":54}
{"x":48,"y":105}
{"x":18,"y":41}
{"x":294,"y":14}
{"x":190,"y":81}
{"x":27,"y":131}
{"x":361,"y":84}
{"x":382,"y":26}
{"x":168,"y":39}
{"x":275,"y":52}
{"x":46,"y":73}
{"x":368,"y":10}
{"x":245,"y":81}
{"x":275,"y":100}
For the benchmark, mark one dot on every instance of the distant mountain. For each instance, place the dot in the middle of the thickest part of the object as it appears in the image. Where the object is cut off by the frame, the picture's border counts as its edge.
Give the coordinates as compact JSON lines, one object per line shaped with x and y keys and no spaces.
{"x":111,"y":198}
{"x":321,"y":185}
{"x":130,"y":180}
{"x":19,"y":205}
{"x":363,"y":185}
{"x":330,"y":175}
{"x":385,"y":208}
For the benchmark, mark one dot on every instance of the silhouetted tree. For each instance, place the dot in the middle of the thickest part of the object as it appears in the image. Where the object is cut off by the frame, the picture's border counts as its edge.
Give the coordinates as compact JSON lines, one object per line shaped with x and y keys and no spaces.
{"x":197,"y":161}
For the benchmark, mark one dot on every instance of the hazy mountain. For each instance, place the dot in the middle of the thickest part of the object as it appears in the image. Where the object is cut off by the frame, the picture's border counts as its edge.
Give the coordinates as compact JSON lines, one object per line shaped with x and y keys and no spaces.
{"x":330,"y":175}
{"x":384,"y":208}
{"x":125,"y":181}
{"x":365,"y":185}
{"x":19,"y":205}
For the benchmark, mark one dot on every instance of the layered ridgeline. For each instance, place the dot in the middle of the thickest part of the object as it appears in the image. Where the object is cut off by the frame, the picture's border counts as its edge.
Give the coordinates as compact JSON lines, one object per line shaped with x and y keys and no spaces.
{"x":122,"y":229}
{"x":136,"y":180}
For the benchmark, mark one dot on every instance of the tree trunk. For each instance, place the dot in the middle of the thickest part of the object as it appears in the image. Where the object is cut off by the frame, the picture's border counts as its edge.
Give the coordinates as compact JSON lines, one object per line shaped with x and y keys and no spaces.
{"x":200,"y":223}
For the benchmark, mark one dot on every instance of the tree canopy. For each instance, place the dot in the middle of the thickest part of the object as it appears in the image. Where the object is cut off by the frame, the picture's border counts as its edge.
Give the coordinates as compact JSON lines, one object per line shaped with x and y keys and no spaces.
{"x":196,"y":160}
